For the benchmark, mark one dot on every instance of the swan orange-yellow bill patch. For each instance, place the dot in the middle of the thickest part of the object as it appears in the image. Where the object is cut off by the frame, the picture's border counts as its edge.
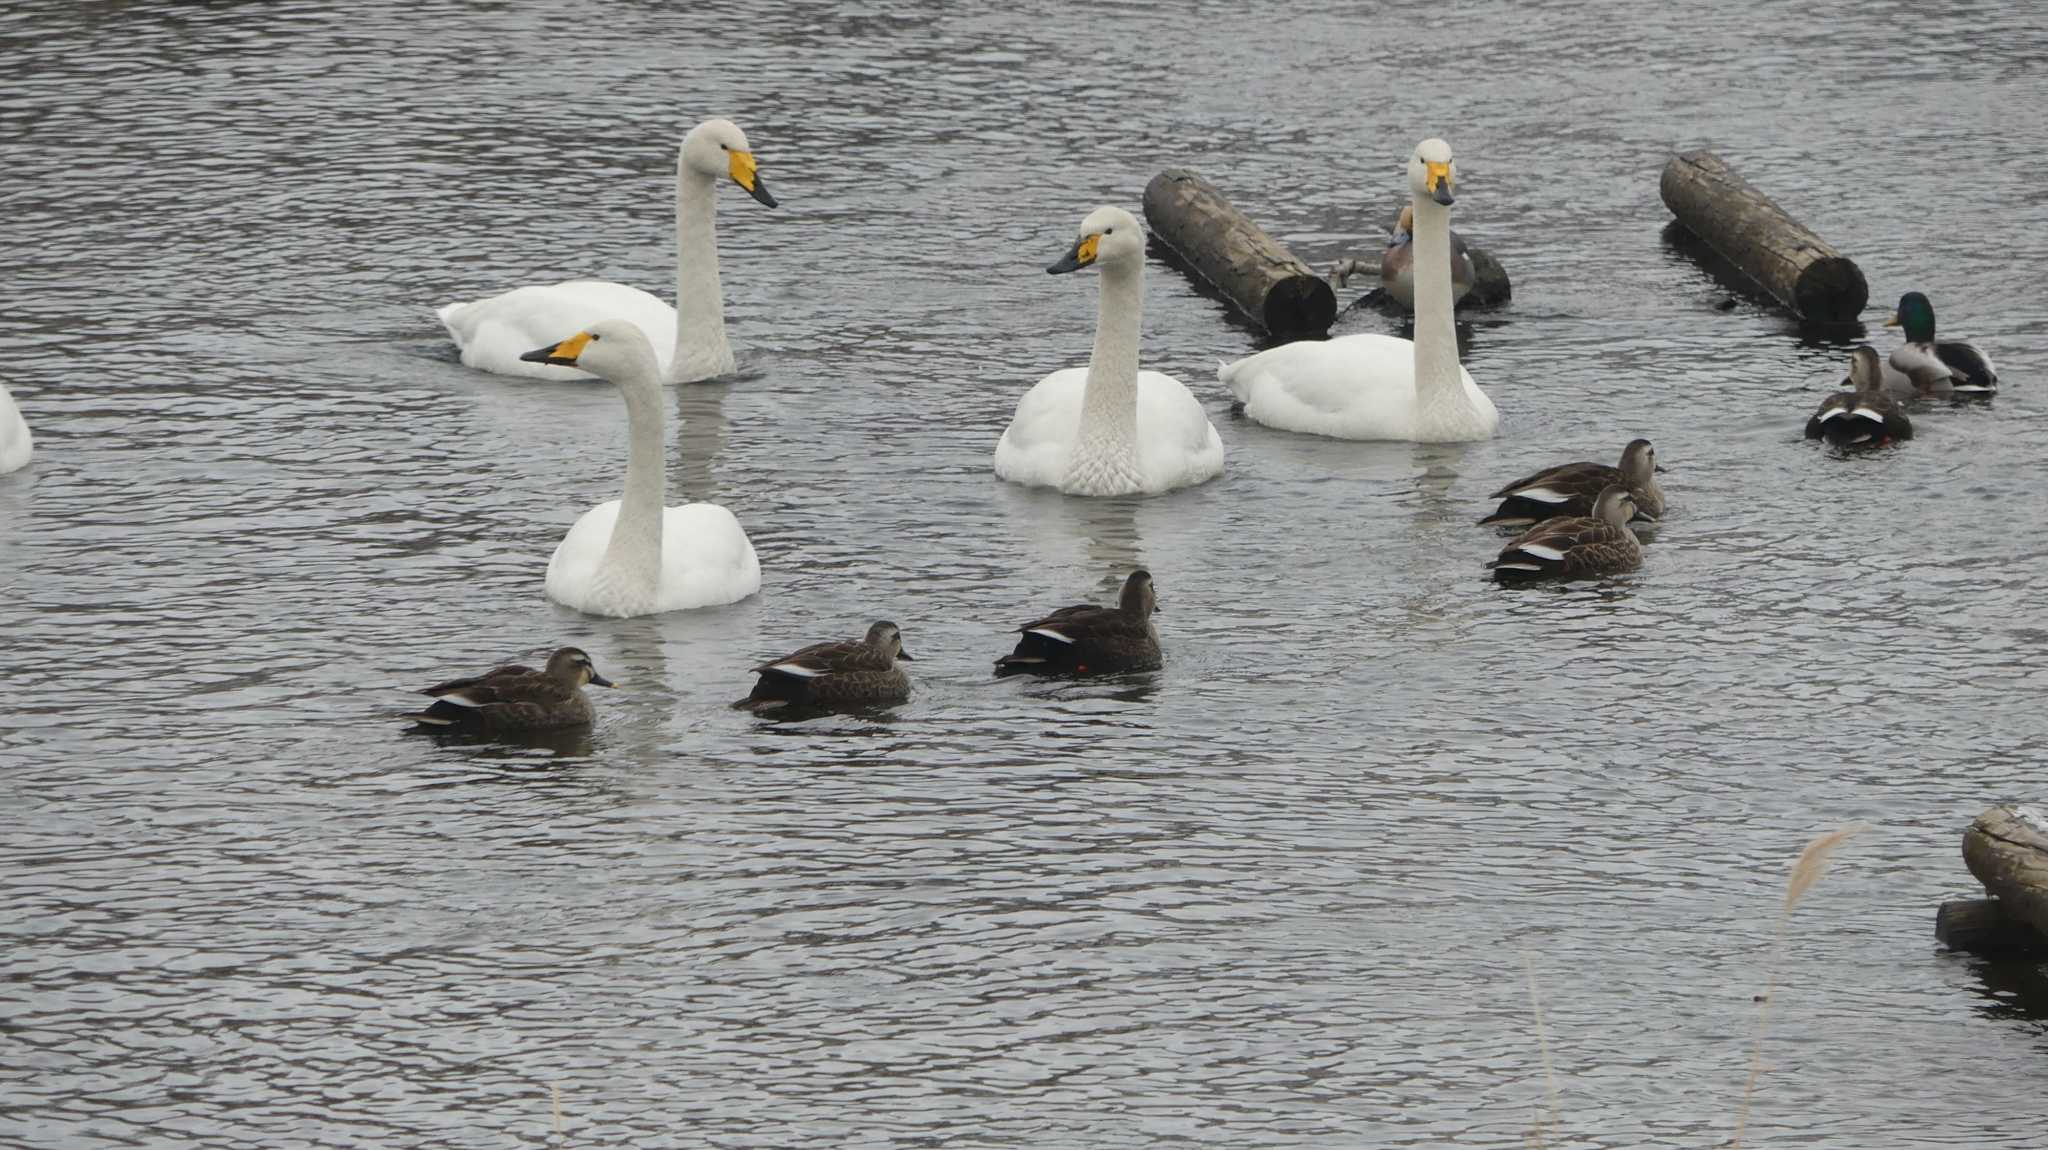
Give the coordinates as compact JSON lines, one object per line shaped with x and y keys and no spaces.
{"x":741,"y":166}
{"x":1085,"y":253}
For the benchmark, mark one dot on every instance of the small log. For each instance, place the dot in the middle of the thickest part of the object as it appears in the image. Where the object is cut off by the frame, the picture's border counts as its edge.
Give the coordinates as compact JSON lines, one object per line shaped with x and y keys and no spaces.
{"x":1796,"y":267}
{"x":1489,"y":279}
{"x":1223,"y":246}
{"x":1982,"y":926}
{"x":2007,"y":849}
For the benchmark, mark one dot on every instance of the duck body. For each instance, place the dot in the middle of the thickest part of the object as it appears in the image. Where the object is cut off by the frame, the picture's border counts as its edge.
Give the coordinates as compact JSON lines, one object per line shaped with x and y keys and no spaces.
{"x":16,"y":444}
{"x":1372,"y":386}
{"x":1868,"y":415}
{"x":633,"y":555}
{"x":1109,"y":428}
{"x":1926,"y":366}
{"x":514,"y":698}
{"x":860,"y":672}
{"x":1575,"y":546}
{"x":1087,"y":639}
{"x":1397,"y":264}
{"x":1572,"y":488}
{"x":494,"y":334}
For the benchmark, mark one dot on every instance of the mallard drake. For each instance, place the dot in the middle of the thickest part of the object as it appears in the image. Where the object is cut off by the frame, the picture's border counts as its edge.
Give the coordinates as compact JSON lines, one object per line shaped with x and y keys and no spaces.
{"x":1091,"y":640}
{"x":1397,"y":263}
{"x":1865,"y":416}
{"x":1571,"y":488}
{"x":848,"y":673}
{"x":1930,"y":366}
{"x":515,"y":698}
{"x":1575,"y":546}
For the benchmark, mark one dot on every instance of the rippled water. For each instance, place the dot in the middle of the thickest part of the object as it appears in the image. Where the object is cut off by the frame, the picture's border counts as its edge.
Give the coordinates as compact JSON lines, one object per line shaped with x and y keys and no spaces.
{"x":1280,"y":893}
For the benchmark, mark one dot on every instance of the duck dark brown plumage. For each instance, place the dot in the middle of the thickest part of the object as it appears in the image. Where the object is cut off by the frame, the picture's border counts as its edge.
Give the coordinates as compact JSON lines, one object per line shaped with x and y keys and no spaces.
{"x":1866,"y":416}
{"x":515,"y":698}
{"x":1091,"y":640}
{"x":859,"y":672}
{"x":1571,"y":488}
{"x":1575,"y":546}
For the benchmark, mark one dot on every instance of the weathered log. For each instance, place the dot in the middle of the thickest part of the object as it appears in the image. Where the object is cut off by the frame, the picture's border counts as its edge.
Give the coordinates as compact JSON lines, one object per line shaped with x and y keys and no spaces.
{"x":1982,"y":926}
{"x":2007,"y":849}
{"x":1223,"y":246}
{"x":1796,"y":267}
{"x":1489,"y":279}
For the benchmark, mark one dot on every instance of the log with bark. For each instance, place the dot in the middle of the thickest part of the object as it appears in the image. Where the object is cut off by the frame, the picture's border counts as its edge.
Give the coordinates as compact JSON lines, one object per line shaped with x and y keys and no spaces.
{"x":1251,"y":269}
{"x":1789,"y":262}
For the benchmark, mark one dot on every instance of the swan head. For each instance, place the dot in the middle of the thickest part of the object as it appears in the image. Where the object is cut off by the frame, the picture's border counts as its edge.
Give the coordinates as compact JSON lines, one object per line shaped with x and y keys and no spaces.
{"x":717,"y":148}
{"x":571,"y":665}
{"x":1432,"y":173}
{"x":1916,"y":315}
{"x":1139,"y":598}
{"x":887,"y":638}
{"x":613,"y":348}
{"x":1866,"y":372}
{"x":1107,"y":236}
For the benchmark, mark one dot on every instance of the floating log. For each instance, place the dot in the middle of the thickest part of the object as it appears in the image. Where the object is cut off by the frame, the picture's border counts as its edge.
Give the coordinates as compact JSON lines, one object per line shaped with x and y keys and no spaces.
{"x":1795,"y":266}
{"x":2007,"y":849}
{"x":1982,"y":926}
{"x":1223,"y":246}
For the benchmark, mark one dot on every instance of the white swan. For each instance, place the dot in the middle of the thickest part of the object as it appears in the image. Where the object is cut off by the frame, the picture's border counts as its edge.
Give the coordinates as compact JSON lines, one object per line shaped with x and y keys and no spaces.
{"x":494,"y":334}
{"x":1108,"y":428}
{"x":16,"y":445}
{"x":633,"y":556}
{"x":1377,"y":386}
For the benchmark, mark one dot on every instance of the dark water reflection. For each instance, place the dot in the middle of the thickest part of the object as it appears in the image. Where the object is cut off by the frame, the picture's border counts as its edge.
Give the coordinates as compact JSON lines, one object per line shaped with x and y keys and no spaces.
{"x":1275,"y":894}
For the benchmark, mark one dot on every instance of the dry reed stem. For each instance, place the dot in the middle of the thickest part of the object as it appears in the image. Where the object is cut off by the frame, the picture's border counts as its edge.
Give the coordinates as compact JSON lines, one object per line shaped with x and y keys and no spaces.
{"x":1806,"y":872}
{"x":555,"y":1092}
{"x":1543,"y":1046}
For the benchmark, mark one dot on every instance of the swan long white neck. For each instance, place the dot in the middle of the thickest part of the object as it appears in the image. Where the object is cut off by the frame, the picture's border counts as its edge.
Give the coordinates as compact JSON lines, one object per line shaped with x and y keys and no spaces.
{"x":632,"y":558}
{"x":1105,"y":458}
{"x":701,"y":350}
{"x":1438,"y":380}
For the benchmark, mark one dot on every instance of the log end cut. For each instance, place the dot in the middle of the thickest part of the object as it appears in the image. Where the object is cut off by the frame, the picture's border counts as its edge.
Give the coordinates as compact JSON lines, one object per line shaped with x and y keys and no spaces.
{"x":1299,"y":305}
{"x":1831,"y":290}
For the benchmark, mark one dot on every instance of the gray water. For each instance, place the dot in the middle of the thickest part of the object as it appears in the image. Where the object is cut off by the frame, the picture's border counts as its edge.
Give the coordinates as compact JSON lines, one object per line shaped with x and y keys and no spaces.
{"x":1286,"y":892}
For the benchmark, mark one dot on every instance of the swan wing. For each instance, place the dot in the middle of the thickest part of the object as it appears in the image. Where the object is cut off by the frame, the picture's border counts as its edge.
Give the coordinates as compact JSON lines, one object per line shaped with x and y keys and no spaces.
{"x":16,"y":445}
{"x":493,"y":333}
{"x":1353,"y":387}
{"x":1034,"y":448}
{"x":706,"y":558}
{"x":1177,"y":445}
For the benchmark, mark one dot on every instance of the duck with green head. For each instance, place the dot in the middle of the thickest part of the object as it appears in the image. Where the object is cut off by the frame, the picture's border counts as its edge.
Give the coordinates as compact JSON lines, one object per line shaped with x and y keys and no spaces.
{"x":1924,"y":365}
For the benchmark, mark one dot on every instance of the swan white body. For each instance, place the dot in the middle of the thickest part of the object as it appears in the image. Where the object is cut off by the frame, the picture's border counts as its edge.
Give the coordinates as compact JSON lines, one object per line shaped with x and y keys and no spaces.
{"x":493,"y":334}
{"x":16,"y":444}
{"x":1378,"y":386}
{"x":633,"y":556}
{"x":1109,"y":428}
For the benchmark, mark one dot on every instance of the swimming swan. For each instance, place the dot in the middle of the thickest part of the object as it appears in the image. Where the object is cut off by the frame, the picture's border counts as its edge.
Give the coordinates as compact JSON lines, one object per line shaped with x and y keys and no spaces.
{"x":495,"y":333}
{"x":1377,"y":386}
{"x":1108,"y":428}
{"x":16,"y":444}
{"x":633,"y":556}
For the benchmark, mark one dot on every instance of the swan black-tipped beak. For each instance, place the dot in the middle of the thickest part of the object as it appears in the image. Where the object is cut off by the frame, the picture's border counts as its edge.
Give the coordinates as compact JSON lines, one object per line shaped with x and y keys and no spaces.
{"x":1443,"y":193}
{"x":1079,"y":256}
{"x":561,"y":354}
{"x":597,"y":680}
{"x":760,"y":192}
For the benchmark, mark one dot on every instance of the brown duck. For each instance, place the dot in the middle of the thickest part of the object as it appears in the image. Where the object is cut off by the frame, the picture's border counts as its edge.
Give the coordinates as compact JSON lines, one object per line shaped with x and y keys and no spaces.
{"x":513,"y":698}
{"x":860,"y":672}
{"x":1864,"y":417}
{"x":1573,"y":546}
{"x":1091,"y":640}
{"x":1571,"y":488}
